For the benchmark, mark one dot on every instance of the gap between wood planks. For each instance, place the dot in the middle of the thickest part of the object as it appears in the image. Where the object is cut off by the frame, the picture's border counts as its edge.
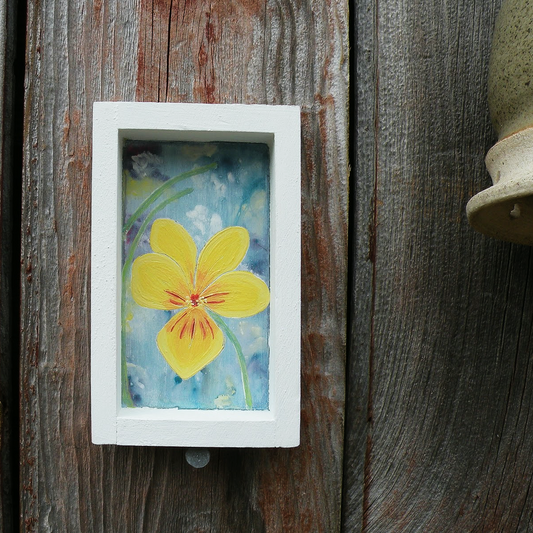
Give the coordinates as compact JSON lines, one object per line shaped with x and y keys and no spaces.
{"x":13,"y":34}
{"x":362,"y":243}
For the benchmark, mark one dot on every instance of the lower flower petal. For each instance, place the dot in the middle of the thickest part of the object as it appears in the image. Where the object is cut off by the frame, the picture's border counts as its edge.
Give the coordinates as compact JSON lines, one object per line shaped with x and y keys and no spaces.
{"x":189,"y":341}
{"x":237,"y":294}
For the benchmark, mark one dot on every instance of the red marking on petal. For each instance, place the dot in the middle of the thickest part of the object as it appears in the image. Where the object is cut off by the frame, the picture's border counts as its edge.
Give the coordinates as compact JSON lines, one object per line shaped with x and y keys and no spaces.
{"x":182,"y":332}
{"x":216,"y":294}
{"x":193,"y":327}
{"x":210,"y":328}
{"x":202,"y":328}
{"x":174,"y":295}
{"x":177,"y":321}
{"x":175,"y":299}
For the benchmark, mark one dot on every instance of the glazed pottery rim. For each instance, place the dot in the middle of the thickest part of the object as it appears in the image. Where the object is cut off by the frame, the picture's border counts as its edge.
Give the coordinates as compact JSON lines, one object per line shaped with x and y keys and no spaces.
{"x":500,"y":210}
{"x":484,"y":211}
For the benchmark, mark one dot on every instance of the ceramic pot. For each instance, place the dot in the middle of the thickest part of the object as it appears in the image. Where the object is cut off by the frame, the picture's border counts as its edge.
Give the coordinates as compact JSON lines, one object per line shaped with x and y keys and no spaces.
{"x":505,"y":210}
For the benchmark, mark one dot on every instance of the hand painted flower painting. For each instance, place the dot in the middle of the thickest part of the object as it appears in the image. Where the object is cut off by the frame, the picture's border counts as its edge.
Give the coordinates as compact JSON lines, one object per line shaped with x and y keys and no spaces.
{"x":195,"y":275}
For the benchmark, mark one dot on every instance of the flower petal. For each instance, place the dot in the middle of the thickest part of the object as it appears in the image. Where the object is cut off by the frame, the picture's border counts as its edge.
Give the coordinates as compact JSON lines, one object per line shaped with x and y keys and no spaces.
{"x":222,"y":253}
{"x":237,"y":294}
{"x":158,"y":282}
{"x":172,"y":239}
{"x":189,"y":341}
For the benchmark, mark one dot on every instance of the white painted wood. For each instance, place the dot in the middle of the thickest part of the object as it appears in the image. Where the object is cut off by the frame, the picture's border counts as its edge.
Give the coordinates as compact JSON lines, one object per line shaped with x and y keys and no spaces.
{"x":279,"y":127}
{"x":105,"y":278}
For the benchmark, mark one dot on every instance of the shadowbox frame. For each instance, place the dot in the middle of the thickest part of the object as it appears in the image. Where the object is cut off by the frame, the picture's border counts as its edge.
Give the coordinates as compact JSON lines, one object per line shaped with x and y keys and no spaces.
{"x":279,"y":128}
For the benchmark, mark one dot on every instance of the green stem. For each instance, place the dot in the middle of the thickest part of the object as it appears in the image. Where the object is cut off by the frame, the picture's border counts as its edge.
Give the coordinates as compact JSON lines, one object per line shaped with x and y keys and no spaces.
{"x":126,"y":396}
{"x":240,"y":356}
{"x":160,"y":190}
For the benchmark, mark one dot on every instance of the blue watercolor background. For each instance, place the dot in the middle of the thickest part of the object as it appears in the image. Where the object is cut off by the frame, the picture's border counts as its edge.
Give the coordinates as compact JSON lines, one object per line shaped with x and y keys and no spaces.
{"x":236,"y":193}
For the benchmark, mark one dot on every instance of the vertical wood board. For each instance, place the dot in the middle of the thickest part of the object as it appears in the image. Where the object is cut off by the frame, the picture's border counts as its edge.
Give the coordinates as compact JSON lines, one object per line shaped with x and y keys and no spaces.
{"x":447,"y":326}
{"x":223,"y":52}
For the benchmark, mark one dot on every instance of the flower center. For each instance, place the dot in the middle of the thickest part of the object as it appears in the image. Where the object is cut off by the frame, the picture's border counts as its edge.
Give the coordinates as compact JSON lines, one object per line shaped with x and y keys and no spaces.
{"x":195,"y":300}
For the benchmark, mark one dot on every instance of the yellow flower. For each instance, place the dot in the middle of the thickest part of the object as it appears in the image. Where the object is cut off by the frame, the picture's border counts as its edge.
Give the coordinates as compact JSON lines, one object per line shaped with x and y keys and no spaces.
{"x":171,"y":278}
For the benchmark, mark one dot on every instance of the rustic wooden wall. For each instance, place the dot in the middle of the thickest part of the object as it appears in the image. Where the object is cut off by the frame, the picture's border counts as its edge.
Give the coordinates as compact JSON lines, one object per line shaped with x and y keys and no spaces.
{"x":440,"y":396}
{"x":440,"y":319}
{"x":238,"y":51}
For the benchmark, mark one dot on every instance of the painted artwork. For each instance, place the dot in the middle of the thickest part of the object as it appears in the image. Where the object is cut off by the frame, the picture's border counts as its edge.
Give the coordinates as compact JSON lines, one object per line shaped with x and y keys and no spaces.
{"x":195,"y":275}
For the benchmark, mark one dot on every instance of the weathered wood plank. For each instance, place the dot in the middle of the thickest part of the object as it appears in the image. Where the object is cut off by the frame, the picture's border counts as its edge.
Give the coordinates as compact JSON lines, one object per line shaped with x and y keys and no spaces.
{"x":10,"y":87}
{"x":449,"y":431}
{"x":246,"y":52}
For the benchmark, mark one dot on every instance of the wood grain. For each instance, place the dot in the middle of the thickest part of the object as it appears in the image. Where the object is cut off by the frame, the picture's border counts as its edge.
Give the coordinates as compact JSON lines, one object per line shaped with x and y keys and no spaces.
{"x":446,"y":317}
{"x":242,"y":51}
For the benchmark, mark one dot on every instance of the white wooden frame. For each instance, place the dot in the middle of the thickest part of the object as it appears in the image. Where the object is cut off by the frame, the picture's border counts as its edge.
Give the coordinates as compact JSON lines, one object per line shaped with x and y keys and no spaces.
{"x":277,"y":126}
